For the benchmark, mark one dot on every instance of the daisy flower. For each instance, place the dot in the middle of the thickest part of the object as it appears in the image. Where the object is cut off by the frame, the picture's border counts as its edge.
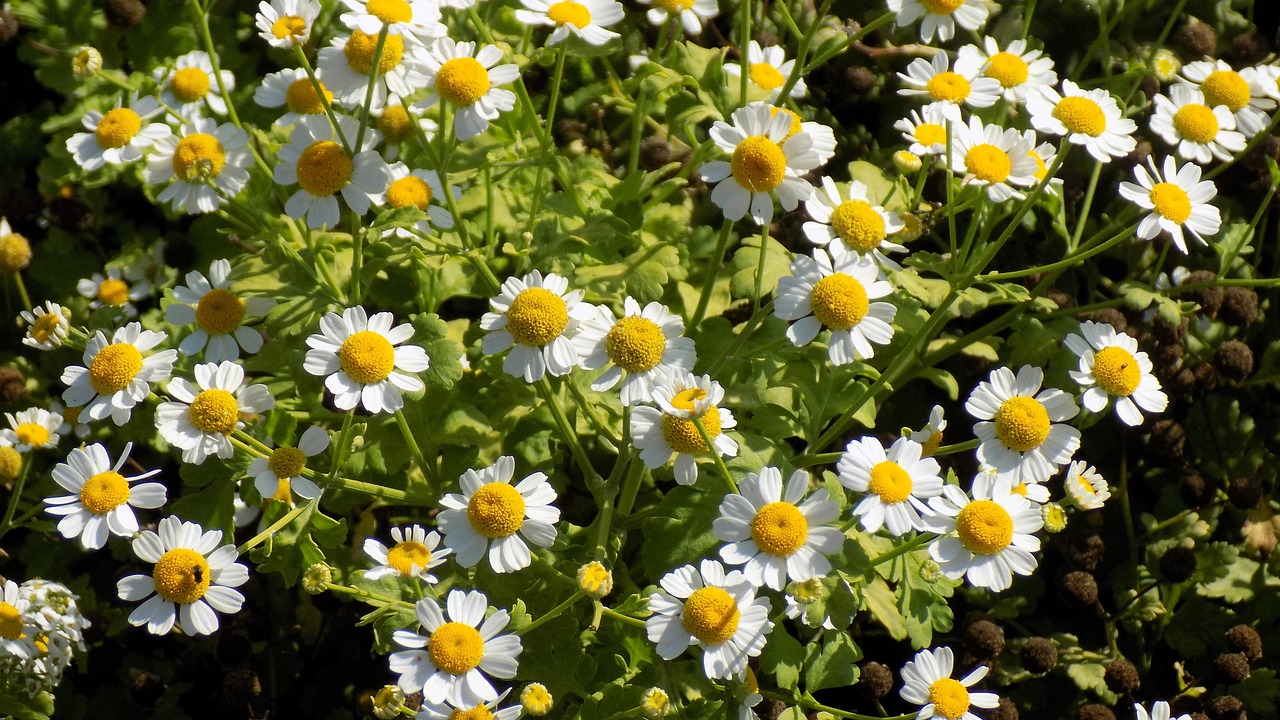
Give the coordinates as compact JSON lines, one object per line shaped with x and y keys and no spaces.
{"x":586,"y":19}
{"x":690,"y":12}
{"x":417,"y":189}
{"x":416,"y":551}
{"x":768,"y":69}
{"x":207,"y":412}
{"x":775,"y":535}
{"x":30,"y":429}
{"x":984,"y":484}
{"x":1177,"y":199}
{"x":396,"y":121}
{"x":285,"y":23}
{"x":1090,"y":118}
{"x":719,"y":612}
{"x":802,"y":595}
{"x":930,"y":436}
{"x":348,"y":61}
{"x":449,"y":664}
{"x":965,"y":85}
{"x":193,"y":576}
{"x":118,"y":136}
{"x":315,"y":159}
{"x":926,"y":129}
{"x":47,"y":326}
{"x":1020,"y":432}
{"x":940,"y":16}
{"x":1086,"y":488}
{"x":487,"y":710}
{"x":101,"y":499}
{"x":536,"y":318}
{"x":292,"y":90}
{"x":361,"y":363}
{"x":420,"y":18}
{"x":115,"y":375}
{"x":834,"y":288}
{"x":190,"y":85}
{"x":897,"y":483}
{"x":927,"y":681}
{"x":207,"y":166}
{"x":645,"y":344}
{"x":763,"y":160}
{"x":852,"y":218}
{"x":1200,"y":131}
{"x":1112,"y":366}
{"x":113,"y":290}
{"x":987,"y":538}
{"x":466,"y":78}
{"x":1043,"y":156}
{"x":658,"y":433}
{"x":279,"y":475}
{"x":823,"y":137}
{"x":1159,"y":711}
{"x":1249,"y":94}
{"x":1019,"y":70}
{"x":217,"y":313}
{"x":16,"y":628}
{"x":492,"y":514}
{"x":994,"y":157}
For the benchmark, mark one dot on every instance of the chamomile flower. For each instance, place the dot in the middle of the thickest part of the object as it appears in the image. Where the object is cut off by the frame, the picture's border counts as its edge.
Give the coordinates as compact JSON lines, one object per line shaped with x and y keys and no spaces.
{"x":940,"y":16}
{"x":926,"y":128}
{"x":835,"y":289}
{"x":985,"y":480}
{"x":348,"y":61}
{"x":658,"y":433}
{"x":420,"y":18}
{"x":101,"y":499}
{"x":193,"y":576}
{"x":993,"y":157}
{"x":419,"y":189}
{"x":1090,"y":118}
{"x":112,"y":290}
{"x":964,"y":85}
{"x":467,"y":78}
{"x":217,"y":313}
{"x":480,"y":711}
{"x":988,"y":538}
{"x":316,"y":160}
{"x":637,"y":349}
{"x":655,"y":703}
{"x":494,"y":515}
{"x":361,"y":363}
{"x":207,"y":412}
{"x":190,"y":85}
{"x":690,"y":12}
{"x":824,"y":138}
{"x":897,"y":483}
{"x":536,"y":318}
{"x":16,"y":626}
{"x":415,"y":553}
{"x":1085,"y":486}
{"x":204,"y":168}
{"x":47,"y":326}
{"x":285,"y":23}
{"x":768,"y":69}
{"x":802,"y":595}
{"x":927,"y":681}
{"x":1018,"y":69}
{"x":396,"y":120}
{"x":776,"y":534}
{"x":763,"y":161}
{"x":854,"y":219}
{"x":930,"y":436}
{"x":586,"y":19}
{"x":1112,"y":366}
{"x":1200,"y":131}
{"x":1177,"y":198}
{"x":31,"y":429}
{"x":279,"y":475}
{"x":116,"y":376}
{"x":1020,"y":429}
{"x":1043,"y":155}
{"x":715,"y":610}
{"x":119,"y":135}
{"x":292,"y":90}
{"x":1248,"y":94}
{"x":1159,"y":711}
{"x":449,"y":664}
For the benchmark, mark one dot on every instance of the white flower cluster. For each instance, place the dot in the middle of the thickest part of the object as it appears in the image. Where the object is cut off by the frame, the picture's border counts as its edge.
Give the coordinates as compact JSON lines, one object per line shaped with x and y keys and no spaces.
{"x":51,"y":631}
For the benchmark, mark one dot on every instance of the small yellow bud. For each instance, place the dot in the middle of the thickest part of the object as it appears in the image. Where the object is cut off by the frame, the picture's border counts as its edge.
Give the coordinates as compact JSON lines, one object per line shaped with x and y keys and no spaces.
{"x":317,"y":578}
{"x":535,"y":699}
{"x":15,"y":251}
{"x":595,"y":580}
{"x":1055,"y":518}
{"x":86,"y":62}
{"x":387,"y":702}
{"x":907,"y":162}
{"x":655,"y":703}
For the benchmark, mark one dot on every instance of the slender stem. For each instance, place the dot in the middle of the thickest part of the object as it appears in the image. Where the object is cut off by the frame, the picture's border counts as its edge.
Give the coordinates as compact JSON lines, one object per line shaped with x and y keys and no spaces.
{"x":805,"y":461}
{"x":610,"y":612}
{"x":546,"y":142}
{"x":551,"y":614}
{"x":567,"y":432}
{"x":1072,"y":259}
{"x":744,"y":40}
{"x":713,"y":270}
{"x":22,"y":291}
{"x":378,"y":491}
{"x":738,"y":342}
{"x":366,"y":595}
{"x":357,"y":257}
{"x":715,"y":454}
{"x":764,"y":249}
{"x":287,"y":518}
{"x":906,"y":547}
{"x":1084,"y":207}
{"x":584,"y":406}
{"x":802,"y":52}
{"x":427,"y":469}
{"x":343,"y":446}
{"x":322,"y":95}
{"x":16,"y":496}
{"x":956,"y":447}
{"x":374,"y":70}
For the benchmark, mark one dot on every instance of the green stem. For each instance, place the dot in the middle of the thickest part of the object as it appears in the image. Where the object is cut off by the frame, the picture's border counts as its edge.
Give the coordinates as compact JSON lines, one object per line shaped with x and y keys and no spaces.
{"x":567,"y":432}
{"x":343,"y":446}
{"x":584,"y":406}
{"x":744,"y":40}
{"x":957,"y":447}
{"x":320,"y":93}
{"x":547,"y":146}
{"x":22,"y":291}
{"x":802,"y":51}
{"x":374,"y":70}
{"x":1071,"y":260}
{"x":804,"y":461}
{"x":741,"y":339}
{"x":378,"y":491}
{"x":709,"y":282}
{"x":815,"y":705}
{"x":287,"y":518}
{"x":16,"y":497}
{"x":366,"y":595}
{"x":715,"y":454}
{"x":427,"y":469}
{"x":1084,"y":208}
{"x":610,"y":612}
{"x":764,"y":249}
{"x":913,"y":544}
{"x":551,"y":614}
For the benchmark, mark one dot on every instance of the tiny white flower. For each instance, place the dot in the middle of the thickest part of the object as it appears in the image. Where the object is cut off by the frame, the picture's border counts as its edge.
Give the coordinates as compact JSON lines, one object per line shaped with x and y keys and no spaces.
{"x":1159,"y":711}
{"x":345,"y":66}
{"x":189,"y":86}
{"x":1200,"y":131}
{"x":493,"y":515}
{"x":835,"y":289}
{"x":204,"y":168}
{"x":642,"y":346}
{"x":1019,"y":70}
{"x":419,"y":18}
{"x":1249,"y":94}
{"x":927,"y":681}
{"x":586,"y":19}
{"x":930,"y":436}
{"x":768,"y":69}
{"x":1112,"y":366}
{"x":279,"y":475}
{"x":690,"y":12}
{"x":285,"y":23}
{"x":217,"y":313}
{"x":854,"y":219}
{"x":926,"y":128}
{"x":101,"y":500}
{"x":535,"y":318}
{"x":988,"y":538}
{"x":659,"y":433}
{"x":1091,"y":118}
{"x":419,"y":189}
{"x":964,"y":85}
{"x":993,"y":157}
{"x":897,"y":483}
{"x":364,"y":361}
{"x":17,"y":629}
{"x":1177,"y":198}
{"x":47,"y":326}
{"x":30,"y":429}
{"x":118,"y":136}
{"x":209,"y":410}
{"x":1086,"y":488}
{"x":292,"y":90}
{"x":414,"y":554}
{"x":765,"y":157}
{"x":1021,"y":428}
{"x":116,"y":376}
{"x":467,"y":78}
{"x":315,"y":159}
{"x":112,"y":290}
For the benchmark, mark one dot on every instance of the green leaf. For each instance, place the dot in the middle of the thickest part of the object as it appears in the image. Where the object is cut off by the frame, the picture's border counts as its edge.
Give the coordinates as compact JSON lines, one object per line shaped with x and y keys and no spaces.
{"x":746,"y":261}
{"x":296,"y":546}
{"x":783,"y":657}
{"x":22,"y":707}
{"x":1258,"y":692}
{"x":884,"y":607}
{"x":680,"y":532}
{"x":1197,"y":627}
{"x":833,"y":665}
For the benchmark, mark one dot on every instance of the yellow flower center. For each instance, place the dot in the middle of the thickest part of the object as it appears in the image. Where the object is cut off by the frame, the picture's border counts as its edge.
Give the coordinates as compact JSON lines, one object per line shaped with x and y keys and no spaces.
{"x":214,"y":411}
{"x":567,"y":12}
{"x":10,"y":464}
{"x":594,"y":578}
{"x":839,"y":301}
{"x":15,"y":253}
{"x":984,"y":527}
{"x":1008,"y":68}
{"x":1081,"y":115}
{"x":950,"y":699}
{"x":41,"y":641}
{"x":117,"y":128}
{"x":286,"y":462}
{"x":682,"y":435}
{"x":796,"y":123}
{"x":674,"y":6}
{"x":809,"y":591}
{"x":1041,"y":168}
{"x":1171,"y":202}
{"x":496,"y":510}
{"x":10,"y":622}
{"x":942,"y":7}
{"x":324,"y":168}
{"x":655,"y":700}
{"x":1226,"y":87}
{"x":711,"y":615}
{"x":219,"y":312}
{"x":767,"y":76}
{"x":181,"y":576}
{"x":758,"y":164}
{"x":409,"y":191}
{"x":537,"y":316}
{"x":890,"y":482}
{"x":455,"y":648}
{"x":988,"y":162}
{"x":113,"y":292}
{"x":114,"y":367}
{"x":44,"y":327}
{"x":284,"y":491}
{"x":360,"y":49}
{"x":948,"y":86}
{"x":198,"y":155}
{"x":1196,"y":123}
{"x":390,"y":11}
{"x":635,"y":344}
{"x":288,"y":26}
{"x":302,"y":98}
{"x":462,"y":81}
{"x":406,"y":556}
{"x":930,"y":134}
{"x":189,"y":84}
{"x":779,"y":529}
{"x":479,"y":712}
{"x":1022,"y":423}
{"x":32,"y":434}
{"x":394,"y":123}
{"x":1116,"y":370}
{"x":858,"y":225}
{"x":367,"y":357}
{"x":104,"y":492}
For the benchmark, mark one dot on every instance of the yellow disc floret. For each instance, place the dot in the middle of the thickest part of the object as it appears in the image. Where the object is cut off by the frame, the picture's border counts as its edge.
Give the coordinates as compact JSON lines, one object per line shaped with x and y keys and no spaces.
{"x":758,"y":164}
{"x":711,"y":615}
{"x":189,"y":84}
{"x":45,"y":327}
{"x":104,"y":492}
{"x":32,"y":434}
{"x":455,"y":648}
{"x":1008,"y":68}
{"x":891,"y":482}
{"x":214,"y":411}
{"x":682,"y":435}
{"x":182,"y":576}
{"x":286,"y":462}
{"x":409,"y":191}
{"x":635,"y":344}
{"x":1226,"y":87}
{"x":302,"y":98}
{"x":839,"y":301}
{"x":942,"y":7}
{"x":15,"y":253}
{"x":779,"y":528}
{"x":767,"y":76}
{"x":113,"y":291}
{"x":117,"y":128}
{"x":537,"y":316}
{"x":1116,"y":370}
{"x":1081,"y":115}
{"x":10,"y":464}
{"x":1196,"y":123}
{"x":948,"y":86}
{"x":367,"y":357}
{"x":395,"y":124}
{"x":324,"y":168}
{"x":674,"y":6}
{"x":408,"y":557}
{"x":950,"y":699}
{"x":567,"y":12}
{"x":361,"y":47}
{"x":288,"y":26}
{"x":114,"y":367}
{"x":390,"y":11}
{"x":1022,"y":423}
{"x":10,"y":622}
{"x":858,"y":225}
{"x":796,"y":123}
{"x":988,"y":163}
{"x":479,"y":712}
{"x":1171,"y":201}
{"x":984,"y":527}
{"x":930,"y":134}
{"x":496,"y":510}
{"x":219,"y":312}
{"x":462,"y":81}
{"x":198,"y":155}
